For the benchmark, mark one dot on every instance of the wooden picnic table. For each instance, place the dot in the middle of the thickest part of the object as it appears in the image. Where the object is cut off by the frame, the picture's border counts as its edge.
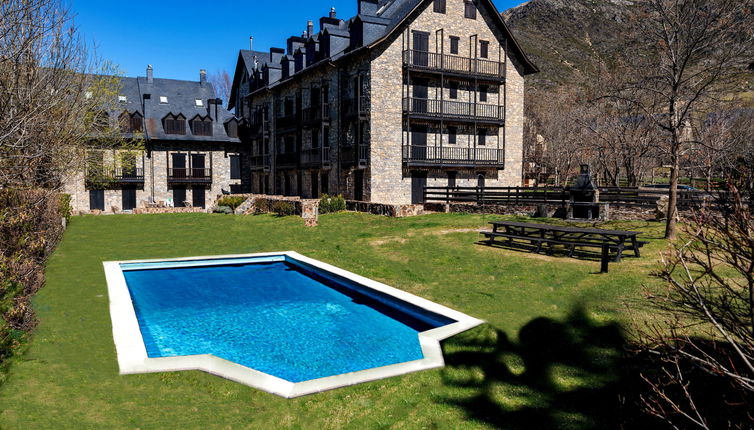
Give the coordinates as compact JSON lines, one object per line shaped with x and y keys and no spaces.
{"x":571,"y":237}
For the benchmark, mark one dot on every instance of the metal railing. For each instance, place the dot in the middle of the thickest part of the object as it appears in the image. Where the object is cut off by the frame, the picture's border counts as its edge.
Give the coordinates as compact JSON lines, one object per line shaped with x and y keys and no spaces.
{"x":189,"y":174}
{"x":453,"y":109}
{"x":122,"y":175}
{"x":417,"y":155}
{"x":286,"y":122}
{"x":355,"y":154}
{"x":453,"y":63}
{"x":261,"y":161}
{"x":287,"y":159}
{"x":356,"y":106}
{"x":315,"y":156}
{"x":312,"y":115}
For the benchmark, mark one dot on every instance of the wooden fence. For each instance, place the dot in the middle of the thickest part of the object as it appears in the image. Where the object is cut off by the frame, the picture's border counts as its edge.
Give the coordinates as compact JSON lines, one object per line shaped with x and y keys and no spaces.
{"x":617,"y":197}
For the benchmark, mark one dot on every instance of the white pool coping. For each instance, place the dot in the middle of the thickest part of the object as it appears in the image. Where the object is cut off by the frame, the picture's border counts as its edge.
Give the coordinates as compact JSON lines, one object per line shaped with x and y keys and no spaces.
{"x":132,"y":353}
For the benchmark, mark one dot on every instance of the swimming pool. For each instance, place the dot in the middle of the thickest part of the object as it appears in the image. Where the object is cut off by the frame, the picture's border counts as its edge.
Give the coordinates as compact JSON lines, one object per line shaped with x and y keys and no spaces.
{"x":280,"y":322}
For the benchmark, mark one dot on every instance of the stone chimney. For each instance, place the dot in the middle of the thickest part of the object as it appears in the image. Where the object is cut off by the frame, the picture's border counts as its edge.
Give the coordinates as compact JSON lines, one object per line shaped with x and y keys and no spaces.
{"x":150,"y":74}
{"x":310,"y":28}
{"x":332,"y":12}
{"x":202,"y":76}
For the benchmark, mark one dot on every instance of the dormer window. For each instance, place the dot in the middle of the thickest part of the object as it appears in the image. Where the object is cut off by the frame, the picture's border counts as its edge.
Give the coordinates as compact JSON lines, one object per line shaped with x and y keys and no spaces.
{"x":231,"y":128}
{"x":122,"y":99}
{"x":132,"y":123}
{"x":164,"y":100}
{"x":469,"y":9}
{"x":201,"y":126}
{"x":174,"y":124}
{"x":199,"y":103}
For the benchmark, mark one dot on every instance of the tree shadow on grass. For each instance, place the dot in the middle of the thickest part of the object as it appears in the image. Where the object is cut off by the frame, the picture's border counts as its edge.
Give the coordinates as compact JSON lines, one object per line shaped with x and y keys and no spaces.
{"x":560,"y":374}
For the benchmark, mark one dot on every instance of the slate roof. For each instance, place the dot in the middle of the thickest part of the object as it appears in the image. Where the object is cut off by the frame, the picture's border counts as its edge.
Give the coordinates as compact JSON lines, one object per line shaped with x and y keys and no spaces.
{"x":390,"y":14}
{"x":181,"y":99}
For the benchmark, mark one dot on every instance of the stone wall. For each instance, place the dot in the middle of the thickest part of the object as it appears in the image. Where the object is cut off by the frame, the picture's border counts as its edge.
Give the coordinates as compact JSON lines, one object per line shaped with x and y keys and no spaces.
{"x":391,"y":210}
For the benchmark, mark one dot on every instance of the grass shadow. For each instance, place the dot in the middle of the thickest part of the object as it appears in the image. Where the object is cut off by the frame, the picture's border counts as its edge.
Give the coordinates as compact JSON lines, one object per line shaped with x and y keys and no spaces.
{"x":559,"y":374}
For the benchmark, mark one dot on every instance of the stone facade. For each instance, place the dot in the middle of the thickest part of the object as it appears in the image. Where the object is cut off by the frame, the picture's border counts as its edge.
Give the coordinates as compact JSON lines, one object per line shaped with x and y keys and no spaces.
{"x":156,"y":186}
{"x":373,"y":131}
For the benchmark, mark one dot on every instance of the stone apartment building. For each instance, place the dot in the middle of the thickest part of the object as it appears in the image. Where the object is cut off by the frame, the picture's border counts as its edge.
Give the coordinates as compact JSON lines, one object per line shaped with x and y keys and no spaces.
{"x":191,"y":150}
{"x":407,"y":94}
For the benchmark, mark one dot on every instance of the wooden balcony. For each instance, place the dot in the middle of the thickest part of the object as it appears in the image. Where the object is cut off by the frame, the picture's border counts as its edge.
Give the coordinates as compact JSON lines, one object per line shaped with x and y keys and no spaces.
{"x":316,"y":158}
{"x":450,"y":110}
{"x":287,"y":159}
{"x":452,"y":156}
{"x":313,"y":116}
{"x":286,"y":123}
{"x":261,"y":162}
{"x":454,"y":65}
{"x":356,"y":107}
{"x":190,"y":175}
{"x":354,"y":155}
{"x":134,"y":175}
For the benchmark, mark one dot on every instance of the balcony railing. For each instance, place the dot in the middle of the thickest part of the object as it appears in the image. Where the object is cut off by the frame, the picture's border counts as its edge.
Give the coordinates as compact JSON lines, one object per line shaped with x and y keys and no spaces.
{"x":261,"y":162}
{"x":189,"y":175}
{"x":287,"y":159}
{"x":314,"y":115}
{"x":286,"y":122}
{"x":452,"y":156}
{"x":432,"y":108}
{"x":356,"y":107}
{"x":134,"y":175}
{"x":355,"y":154}
{"x":453,"y":64}
{"x":315,"y":157}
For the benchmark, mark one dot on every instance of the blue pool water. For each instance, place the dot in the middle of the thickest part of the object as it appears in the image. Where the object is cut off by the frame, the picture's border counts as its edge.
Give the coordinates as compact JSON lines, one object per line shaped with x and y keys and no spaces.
{"x":281,"y":318}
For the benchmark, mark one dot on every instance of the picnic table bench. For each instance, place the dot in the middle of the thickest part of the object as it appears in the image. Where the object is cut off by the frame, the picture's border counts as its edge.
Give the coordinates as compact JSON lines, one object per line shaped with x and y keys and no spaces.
{"x":538,"y":235}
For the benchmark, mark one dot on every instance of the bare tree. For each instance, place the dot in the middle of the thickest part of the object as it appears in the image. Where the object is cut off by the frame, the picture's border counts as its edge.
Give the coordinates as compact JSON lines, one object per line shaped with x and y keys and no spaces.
{"x":54,"y":94}
{"x":710,"y":324}
{"x":223,"y":83}
{"x":695,"y":51}
{"x":723,"y":138}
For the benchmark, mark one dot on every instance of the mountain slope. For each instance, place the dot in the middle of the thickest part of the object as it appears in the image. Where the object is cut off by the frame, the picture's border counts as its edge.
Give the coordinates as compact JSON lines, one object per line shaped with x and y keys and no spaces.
{"x":564,"y":37}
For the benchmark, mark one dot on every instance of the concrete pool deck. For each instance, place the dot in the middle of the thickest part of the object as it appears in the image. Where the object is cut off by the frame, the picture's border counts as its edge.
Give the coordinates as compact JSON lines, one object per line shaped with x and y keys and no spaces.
{"x":132,"y":353}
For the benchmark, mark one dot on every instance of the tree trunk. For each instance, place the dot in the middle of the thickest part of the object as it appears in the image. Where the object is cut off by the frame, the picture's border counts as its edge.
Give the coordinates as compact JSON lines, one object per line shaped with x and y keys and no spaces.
{"x":670,"y":227}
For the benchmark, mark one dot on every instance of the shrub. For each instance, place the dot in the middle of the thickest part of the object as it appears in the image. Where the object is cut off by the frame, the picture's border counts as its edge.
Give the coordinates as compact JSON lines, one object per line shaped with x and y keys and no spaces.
{"x":283,"y":208}
{"x":30,"y":228}
{"x":223,"y":210}
{"x":262,"y":206}
{"x":330,"y":204}
{"x":65,"y":206}
{"x":232,"y":202}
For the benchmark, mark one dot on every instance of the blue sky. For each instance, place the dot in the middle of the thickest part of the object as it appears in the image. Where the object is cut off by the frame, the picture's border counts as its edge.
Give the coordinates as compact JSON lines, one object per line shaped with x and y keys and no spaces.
{"x":180,"y":37}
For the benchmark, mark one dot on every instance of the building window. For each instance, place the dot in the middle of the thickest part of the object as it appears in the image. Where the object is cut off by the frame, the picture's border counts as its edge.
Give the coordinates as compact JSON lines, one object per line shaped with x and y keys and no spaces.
{"x":452,"y":135}
{"x":469,"y":9}
{"x":454,"y":90}
{"x":454,"y":44}
{"x":201,"y":126}
{"x":174,"y":124}
{"x":130,"y":123}
{"x":482,"y":138}
{"x":439,"y":6}
{"x":483,"y":93}
{"x":484,"y":49}
{"x":235,"y":166}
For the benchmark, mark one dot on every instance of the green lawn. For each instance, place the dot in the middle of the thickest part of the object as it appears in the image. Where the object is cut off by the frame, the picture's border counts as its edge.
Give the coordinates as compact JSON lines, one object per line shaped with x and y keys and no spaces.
{"x":548,"y":357}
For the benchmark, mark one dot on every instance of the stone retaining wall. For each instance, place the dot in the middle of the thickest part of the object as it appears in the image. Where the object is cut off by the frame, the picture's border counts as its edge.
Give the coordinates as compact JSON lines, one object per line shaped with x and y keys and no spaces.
{"x":397,"y":211}
{"x":142,"y":211}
